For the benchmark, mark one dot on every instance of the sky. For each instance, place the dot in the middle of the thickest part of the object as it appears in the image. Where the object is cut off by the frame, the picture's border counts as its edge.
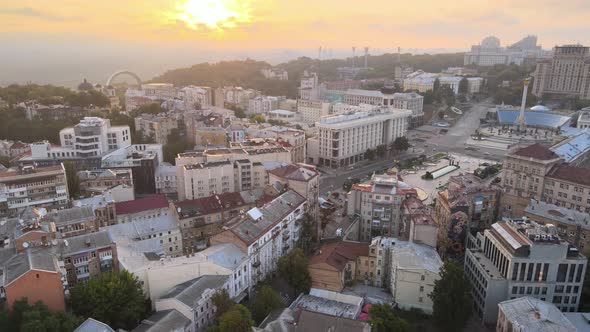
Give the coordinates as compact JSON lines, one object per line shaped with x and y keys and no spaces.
{"x":59,"y":39}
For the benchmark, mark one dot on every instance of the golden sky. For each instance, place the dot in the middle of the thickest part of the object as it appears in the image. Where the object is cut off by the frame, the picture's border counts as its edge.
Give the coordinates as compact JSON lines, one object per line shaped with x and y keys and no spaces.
{"x":300,"y":23}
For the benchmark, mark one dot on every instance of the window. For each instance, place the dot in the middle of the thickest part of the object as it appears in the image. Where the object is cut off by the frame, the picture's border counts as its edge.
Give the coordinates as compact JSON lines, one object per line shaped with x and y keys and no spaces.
{"x":421,"y":288}
{"x":420,"y":299}
{"x":422,"y":277}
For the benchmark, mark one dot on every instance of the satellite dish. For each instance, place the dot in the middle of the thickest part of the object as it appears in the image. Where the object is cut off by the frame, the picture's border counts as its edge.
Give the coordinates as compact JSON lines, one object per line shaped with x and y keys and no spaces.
{"x":25,"y":245}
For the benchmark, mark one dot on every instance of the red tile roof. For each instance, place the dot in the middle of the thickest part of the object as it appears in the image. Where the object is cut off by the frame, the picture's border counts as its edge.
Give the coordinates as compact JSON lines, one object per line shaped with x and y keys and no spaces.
{"x":142,"y":204}
{"x":536,"y":151}
{"x":569,"y":173}
{"x":337,"y":254}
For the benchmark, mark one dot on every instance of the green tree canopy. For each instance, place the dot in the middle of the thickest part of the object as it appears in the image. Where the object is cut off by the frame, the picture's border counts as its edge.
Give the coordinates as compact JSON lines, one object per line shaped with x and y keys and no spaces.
{"x":370,"y":154}
{"x":222,"y":302}
{"x":380,"y":150}
{"x":293,"y":268}
{"x":265,"y":301}
{"x":115,"y":299}
{"x":257,"y":118}
{"x":36,"y":318}
{"x":463,"y":85}
{"x":72,"y":179}
{"x":154,"y":108}
{"x":383,"y":319}
{"x":451,"y":298}
{"x":236,"y":319}
{"x":176,"y":144}
{"x":401,"y":143}
{"x":309,"y":234}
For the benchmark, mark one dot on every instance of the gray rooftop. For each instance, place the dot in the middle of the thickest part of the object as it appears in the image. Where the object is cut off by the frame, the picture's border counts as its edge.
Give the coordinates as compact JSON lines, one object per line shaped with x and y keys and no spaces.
{"x":558,"y":213}
{"x":22,"y":262}
{"x":85,"y":242}
{"x":190,"y":291}
{"x":227,"y":255}
{"x":140,"y":229}
{"x":164,"y":321}
{"x":411,"y":255}
{"x":530,"y":314}
{"x":92,"y":325}
{"x":272,"y":213}
{"x":72,"y":216}
{"x":326,"y":306}
{"x":96,"y":201}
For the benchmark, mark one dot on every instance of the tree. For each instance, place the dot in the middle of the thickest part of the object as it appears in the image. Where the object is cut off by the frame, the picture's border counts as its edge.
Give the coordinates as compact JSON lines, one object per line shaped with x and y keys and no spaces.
{"x":436,"y":85}
{"x":257,"y":118}
{"x":380,"y":150}
{"x":239,"y":112}
{"x":5,"y":161}
{"x":265,"y":301}
{"x":236,"y":319}
{"x":222,"y":302}
{"x":463,"y":85}
{"x":293,"y":268}
{"x":451,"y":298}
{"x":72,"y":179}
{"x":36,"y":318}
{"x":401,"y":143}
{"x":383,"y":319}
{"x":176,"y":144}
{"x":153,"y":108}
{"x":370,"y":154}
{"x":427,"y":176}
{"x":308,"y":235}
{"x":115,"y":299}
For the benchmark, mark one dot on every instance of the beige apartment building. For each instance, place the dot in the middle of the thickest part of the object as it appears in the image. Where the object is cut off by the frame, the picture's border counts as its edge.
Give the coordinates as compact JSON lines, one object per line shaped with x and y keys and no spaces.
{"x":566,"y":74}
{"x":568,"y":186}
{"x":156,"y":127}
{"x":32,"y":186}
{"x":312,"y":110}
{"x":523,"y":176}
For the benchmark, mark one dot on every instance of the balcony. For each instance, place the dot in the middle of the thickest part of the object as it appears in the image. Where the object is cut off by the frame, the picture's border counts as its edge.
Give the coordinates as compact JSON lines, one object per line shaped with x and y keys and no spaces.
{"x":286,"y":235}
{"x":286,"y":247}
{"x":82,"y":275}
{"x":256,"y":264}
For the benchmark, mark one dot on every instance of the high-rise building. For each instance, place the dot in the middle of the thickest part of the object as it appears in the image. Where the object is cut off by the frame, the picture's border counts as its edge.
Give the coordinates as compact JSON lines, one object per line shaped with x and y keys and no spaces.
{"x":518,"y":258}
{"x":312,"y":110}
{"x":567,"y":73}
{"x":490,"y":53}
{"x":411,"y":101}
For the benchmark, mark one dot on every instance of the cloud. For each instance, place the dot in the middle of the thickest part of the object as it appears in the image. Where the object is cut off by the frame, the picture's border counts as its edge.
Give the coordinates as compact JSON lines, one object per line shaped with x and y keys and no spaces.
{"x":32,"y":12}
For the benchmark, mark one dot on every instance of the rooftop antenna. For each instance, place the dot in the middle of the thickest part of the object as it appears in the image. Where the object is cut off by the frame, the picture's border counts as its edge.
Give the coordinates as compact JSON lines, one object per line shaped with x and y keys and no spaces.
{"x":366,"y":56}
{"x":320,"y":53}
{"x":353,"y":55}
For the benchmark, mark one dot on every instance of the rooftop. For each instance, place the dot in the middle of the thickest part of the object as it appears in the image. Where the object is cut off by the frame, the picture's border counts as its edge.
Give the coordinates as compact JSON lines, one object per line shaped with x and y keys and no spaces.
{"x":326,"y":306}
{"x":92,"y":325}
{"x":534,"y":118}
{"x":85,"y":242}
{"x":557,"y":213}
{"x":166,"y":320}
{"x":411,"y":255}
{"x":573,"y":148}
{"x":208,"y":205}
{"x":190,"y":291}
{"x":573,"y":174}
{"x":249,"y":230}
{"x":337,"y":254}
{"x":29,"y":171}
{"x":293,"y":172}
{"x":23,"y":262}
{"x":71,"y":216}
{"x":531,"y":314}
{"x":141,"y":204}
{"x":536,"y":151}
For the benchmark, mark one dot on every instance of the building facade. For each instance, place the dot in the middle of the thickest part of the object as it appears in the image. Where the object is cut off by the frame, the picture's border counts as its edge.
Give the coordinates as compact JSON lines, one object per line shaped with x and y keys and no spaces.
{"x":521,"y":257}
{"x":567,"y":73}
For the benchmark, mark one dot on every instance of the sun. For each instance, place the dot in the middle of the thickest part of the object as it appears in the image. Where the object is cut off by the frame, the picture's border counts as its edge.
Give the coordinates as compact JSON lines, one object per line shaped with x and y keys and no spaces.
{"x":214,"y":14}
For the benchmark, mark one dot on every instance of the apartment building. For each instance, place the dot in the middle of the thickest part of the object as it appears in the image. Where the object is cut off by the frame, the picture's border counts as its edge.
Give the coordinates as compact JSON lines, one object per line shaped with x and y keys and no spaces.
{"x":100,"y":181}
{"x":567,"y":73}
{"x":32,"y":186}
{"x":411,"y":101}
{"x":142,"y":160}
{"x":523,"y":176}
{"x":156,"y":127}
{"x":531,"y":314}
{"x":202,"y":180}
{"x":371,"y":97}
{"x":263,"y":104}
{"x":568,"y":186}
{"x":379,"y":205}
{"x":193,"y":299}
{"x":141,"y":209}
{"x":309,"y":86}
{"x":239,"y":96}
{"x":489,"y":52}
{"x":343,"y":139}
{"x":165,"y":178}
{"x":304,"y":181}
{"x":92,"y":137}
{"x":266,"y":233}
{"x":197,"y":97}
{"x":291,"y":139}
{"x":419,"y":81}
{"x":311,"y":110}
{"x":414,"y":270}
{"x":74,"y":221}
{"x":103,"y":206}
{"x":522,"y":257}
{"x":87,"y":256}
{"x":335,"y":264}
{"x":201,"y":218}
{"x":418,"y":222}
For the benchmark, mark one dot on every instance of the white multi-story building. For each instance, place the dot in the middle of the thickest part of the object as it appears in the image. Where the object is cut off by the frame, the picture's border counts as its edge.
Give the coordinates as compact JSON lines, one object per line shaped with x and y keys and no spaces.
{"x":309,"y":88}
{"x":92,"y":137}
{"x":414,"y":269}
{"x":419,"y":81}
{"x":33,"y":186}
{"x":239,"y":96}
{"x":196,"y":97}
{"x":411,"y":101}
{"x":522,"y":258}
{"x":266,"y":233}
{"x":343,"y":139}
{"x":371,"y":97}
{"x":290,"y":138}
{"x":312,"y":110}
{"x":165,"y":177}
{"x":489,"y":52}
{"x":474,"y":84}
{"x":263,"y":104}
{"x":584,"y":119}
{"x":275,"y":74}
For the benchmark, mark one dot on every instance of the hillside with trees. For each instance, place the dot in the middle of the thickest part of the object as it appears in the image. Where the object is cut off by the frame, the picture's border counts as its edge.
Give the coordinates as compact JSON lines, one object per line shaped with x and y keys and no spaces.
{"x":247,"y":73}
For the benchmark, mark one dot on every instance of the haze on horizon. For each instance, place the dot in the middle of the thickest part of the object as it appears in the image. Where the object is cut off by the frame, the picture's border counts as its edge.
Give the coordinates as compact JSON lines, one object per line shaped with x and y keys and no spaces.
{"x":63,"y":41}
